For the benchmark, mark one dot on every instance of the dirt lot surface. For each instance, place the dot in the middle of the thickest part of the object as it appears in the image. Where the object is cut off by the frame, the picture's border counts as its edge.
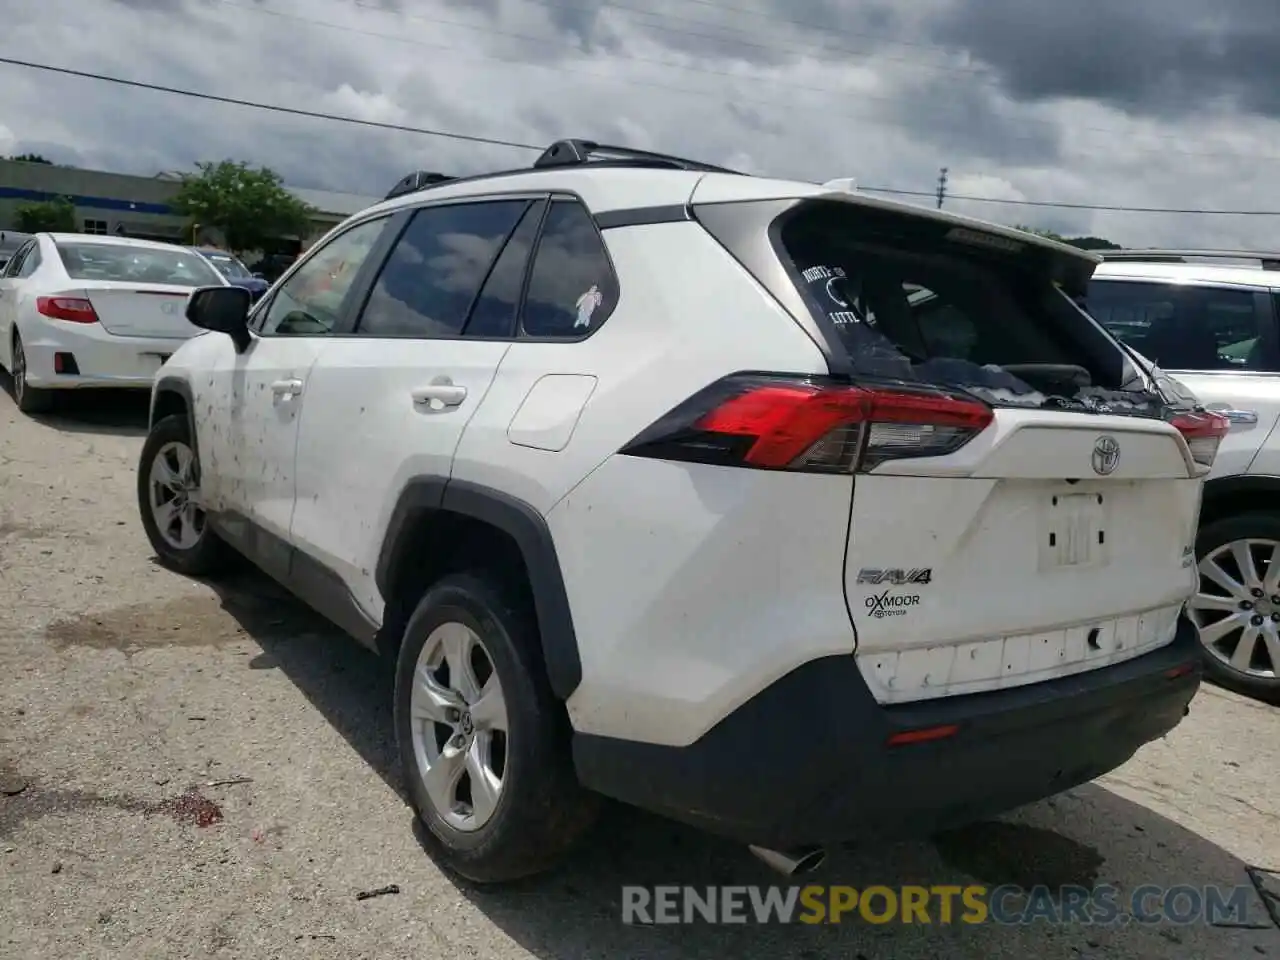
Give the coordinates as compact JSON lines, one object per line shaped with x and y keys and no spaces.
{"x":196,"y":772}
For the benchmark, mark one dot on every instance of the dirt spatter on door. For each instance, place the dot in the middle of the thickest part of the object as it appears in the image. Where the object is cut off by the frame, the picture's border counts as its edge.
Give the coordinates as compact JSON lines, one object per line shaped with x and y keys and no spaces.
{"x":200,"y":621}
{"x":1015,"y":853}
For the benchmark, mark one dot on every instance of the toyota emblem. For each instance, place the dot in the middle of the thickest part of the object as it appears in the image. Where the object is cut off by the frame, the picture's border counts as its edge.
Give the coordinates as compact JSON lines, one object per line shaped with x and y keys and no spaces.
{"x":1106,"y":456}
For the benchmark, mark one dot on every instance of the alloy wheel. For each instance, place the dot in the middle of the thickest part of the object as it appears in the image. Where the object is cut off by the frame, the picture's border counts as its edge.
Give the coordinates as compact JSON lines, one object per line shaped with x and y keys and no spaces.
{"x":1237,"y":611}
{"x":458,"y":716}
{"x":175,"y":496}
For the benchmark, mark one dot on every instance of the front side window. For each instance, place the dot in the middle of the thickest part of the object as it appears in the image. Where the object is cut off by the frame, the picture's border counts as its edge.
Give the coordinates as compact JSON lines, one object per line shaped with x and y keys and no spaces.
{"x":1183,"y":327}
{"x":497,"y":306}
{"x":435,"y":270}
{"x":309,"y":303}
{"x":572,"y":286}
{"x":134,"y":264}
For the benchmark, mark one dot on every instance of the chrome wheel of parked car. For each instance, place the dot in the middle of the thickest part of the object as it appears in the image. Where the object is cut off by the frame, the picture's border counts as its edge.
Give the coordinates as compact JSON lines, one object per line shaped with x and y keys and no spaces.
{"x":1237,"y":610}
{"x":459,"y":718}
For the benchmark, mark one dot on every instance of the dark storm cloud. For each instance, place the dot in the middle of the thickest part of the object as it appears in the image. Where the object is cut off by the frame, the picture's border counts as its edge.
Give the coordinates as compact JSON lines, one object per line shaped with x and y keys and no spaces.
{"x":1160,"y":57}
{"x":968,"y":121}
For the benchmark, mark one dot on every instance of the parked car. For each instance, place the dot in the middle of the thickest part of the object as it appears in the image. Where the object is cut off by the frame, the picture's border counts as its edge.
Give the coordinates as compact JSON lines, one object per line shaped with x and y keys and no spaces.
{"x":80,"y":310}
{"x":1210,"y":319}
{"x":659,"y":482}
{"x":237,"y":273}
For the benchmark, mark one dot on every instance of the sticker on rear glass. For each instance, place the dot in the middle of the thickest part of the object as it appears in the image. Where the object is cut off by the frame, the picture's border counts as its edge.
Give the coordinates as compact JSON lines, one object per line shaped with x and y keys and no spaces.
{"x":587,"y":305}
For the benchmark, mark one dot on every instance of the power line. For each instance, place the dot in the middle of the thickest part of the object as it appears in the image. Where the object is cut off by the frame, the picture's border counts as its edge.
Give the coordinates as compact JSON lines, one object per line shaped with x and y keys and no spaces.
{"x":518,"y":145}
{"x":294,"y":111}
{"x":790,"y":107}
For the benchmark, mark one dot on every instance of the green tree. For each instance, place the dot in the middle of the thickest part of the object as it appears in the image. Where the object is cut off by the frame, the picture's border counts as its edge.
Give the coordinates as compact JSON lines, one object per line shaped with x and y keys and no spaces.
{"x":50,"y":216}
{"x":1084,"y":243}
{"x":249,"y":205}
{"x":30,"y":158}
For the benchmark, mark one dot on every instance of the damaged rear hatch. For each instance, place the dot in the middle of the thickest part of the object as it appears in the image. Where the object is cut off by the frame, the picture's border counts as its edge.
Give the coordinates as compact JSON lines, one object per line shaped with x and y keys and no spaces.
{"x":1026,"y":493}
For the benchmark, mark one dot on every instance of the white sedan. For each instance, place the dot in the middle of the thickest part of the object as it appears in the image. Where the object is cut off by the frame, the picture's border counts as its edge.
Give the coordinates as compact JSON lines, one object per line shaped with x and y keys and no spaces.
{"x":78,"y":310}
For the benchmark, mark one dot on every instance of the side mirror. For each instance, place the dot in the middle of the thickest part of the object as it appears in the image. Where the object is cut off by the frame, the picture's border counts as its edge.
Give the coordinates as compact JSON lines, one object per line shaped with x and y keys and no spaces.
{"x":223,"y":310}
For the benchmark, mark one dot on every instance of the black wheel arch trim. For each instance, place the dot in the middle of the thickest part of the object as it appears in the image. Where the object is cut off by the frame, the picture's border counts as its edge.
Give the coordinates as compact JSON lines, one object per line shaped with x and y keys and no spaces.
{"x":1242,"y":483}
{"x":527,"y":527}
{"x":180,"y":387}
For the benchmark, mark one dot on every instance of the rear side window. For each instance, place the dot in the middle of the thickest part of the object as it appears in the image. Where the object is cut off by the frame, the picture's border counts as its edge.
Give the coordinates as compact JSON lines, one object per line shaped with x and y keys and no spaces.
{"x":1181,"y":327}
{"x":909,"y":301}
{"x":14,"y":265}
{"x":572,"y":287}
{"x":130,"y":264}
{"x":435,"y":270}
{"x":30,"y":262}
{"x":494,"y":313}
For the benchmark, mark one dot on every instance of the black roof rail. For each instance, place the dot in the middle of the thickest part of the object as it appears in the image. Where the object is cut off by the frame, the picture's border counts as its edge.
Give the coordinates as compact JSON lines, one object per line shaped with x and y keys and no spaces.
{"x":415,"y":181}
{"x":1268,"y":261}
{"x":570,"y":153}
{"x":565,"y":153}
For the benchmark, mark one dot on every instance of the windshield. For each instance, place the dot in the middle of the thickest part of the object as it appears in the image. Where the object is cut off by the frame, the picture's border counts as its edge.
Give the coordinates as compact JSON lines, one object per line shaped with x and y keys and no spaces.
{"x":228,"y":265}
{"x":133,"y":264}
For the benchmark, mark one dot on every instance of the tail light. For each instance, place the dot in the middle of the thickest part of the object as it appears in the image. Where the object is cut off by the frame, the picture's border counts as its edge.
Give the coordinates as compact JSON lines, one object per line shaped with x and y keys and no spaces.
{"x":73,"y":309}
{"x":1203,"y":432}
{"x":811,"y":424}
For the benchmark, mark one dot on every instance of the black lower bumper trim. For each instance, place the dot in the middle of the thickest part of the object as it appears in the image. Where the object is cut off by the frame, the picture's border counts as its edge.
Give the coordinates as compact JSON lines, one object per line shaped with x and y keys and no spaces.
{"x":807,"y":760}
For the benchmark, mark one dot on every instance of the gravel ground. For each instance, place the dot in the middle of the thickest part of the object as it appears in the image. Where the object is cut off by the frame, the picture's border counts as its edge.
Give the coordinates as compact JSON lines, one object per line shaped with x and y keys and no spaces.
{"x":210,"y":772}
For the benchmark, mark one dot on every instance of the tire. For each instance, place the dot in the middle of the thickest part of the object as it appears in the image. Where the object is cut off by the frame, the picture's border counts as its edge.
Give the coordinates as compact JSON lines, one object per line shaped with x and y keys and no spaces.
{"x":29,"y":399}
{"x":541,"y":810}
{"x":205,"y":554}
{"x":1214,"y":542}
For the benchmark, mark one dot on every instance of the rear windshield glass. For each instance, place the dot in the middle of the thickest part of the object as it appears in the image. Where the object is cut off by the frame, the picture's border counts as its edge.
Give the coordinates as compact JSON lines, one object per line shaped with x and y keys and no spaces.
{"x":908,"y":302}
{"x":228,"y":265}
{"x":117,"y":261}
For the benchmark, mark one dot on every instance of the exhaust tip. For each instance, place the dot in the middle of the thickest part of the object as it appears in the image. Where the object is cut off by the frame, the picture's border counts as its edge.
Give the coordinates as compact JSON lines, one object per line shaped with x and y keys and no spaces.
{"x":791,"y":863}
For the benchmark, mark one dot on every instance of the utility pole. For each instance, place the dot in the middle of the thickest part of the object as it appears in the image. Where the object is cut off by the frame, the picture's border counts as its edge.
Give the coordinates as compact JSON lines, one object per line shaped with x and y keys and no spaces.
{"x":942,"y":186}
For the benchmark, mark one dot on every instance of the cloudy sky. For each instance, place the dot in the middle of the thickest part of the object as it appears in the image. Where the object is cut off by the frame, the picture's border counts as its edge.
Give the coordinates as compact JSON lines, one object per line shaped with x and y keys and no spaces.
{"x":1148,"y":103}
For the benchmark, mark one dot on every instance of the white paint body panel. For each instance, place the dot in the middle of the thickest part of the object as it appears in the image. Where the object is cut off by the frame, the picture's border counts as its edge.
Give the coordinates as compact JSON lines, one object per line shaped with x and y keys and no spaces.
{"x":247,"y":427}
{"x":549,"y":413}
{"x":364,"y":436}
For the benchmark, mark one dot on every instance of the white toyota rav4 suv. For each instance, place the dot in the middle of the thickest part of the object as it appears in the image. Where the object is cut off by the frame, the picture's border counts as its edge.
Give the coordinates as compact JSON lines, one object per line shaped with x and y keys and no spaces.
{"x":793,"y":514}
{"x":1212,"y":319}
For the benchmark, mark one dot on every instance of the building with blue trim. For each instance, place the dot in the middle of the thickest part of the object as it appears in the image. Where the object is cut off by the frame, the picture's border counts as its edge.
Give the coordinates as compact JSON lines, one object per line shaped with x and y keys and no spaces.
{"x":115,"y":203}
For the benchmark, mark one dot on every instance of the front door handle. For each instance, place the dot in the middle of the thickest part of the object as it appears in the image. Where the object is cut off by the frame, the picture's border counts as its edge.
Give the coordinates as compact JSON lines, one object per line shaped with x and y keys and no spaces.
{"x":286,"y":388}
{"x":1235,"y":416}
{"x":441,"y":394}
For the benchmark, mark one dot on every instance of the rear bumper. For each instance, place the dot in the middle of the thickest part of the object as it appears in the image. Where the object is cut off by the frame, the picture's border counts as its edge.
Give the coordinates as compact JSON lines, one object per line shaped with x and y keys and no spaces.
{"x":100,"y":359}
{"x":807,"y":760}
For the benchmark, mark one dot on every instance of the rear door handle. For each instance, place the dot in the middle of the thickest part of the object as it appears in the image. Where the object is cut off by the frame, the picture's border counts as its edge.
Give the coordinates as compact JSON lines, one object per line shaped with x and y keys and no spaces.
{"x":445,"y":394}
{"x":286,"y":388}
{"x":1235,"y":416}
